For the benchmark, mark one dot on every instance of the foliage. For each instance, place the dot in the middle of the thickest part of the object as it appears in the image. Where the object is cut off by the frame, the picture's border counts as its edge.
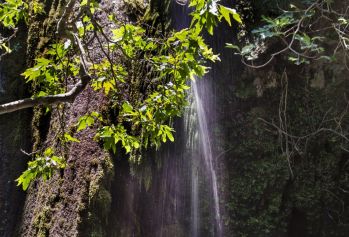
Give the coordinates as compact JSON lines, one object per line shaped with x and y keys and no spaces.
{"x":43,"y":166}
{"x":88,"y":120}
{"x":12,"y":11}
{"x":160,"y":61}
{"x":293,"y":31}
{"x":207,"y":13}
{"x":289,"y":165}
{"x":49,"y":73}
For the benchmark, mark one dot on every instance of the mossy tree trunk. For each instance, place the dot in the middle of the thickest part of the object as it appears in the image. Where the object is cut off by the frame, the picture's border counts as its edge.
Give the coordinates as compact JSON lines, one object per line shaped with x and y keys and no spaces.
{"x":74,"y":202}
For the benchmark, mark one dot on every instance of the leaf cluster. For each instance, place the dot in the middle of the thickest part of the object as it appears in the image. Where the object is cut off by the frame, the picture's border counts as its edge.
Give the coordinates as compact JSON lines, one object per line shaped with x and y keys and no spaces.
{"x":42,"y":166}
{"x":145,"y":72}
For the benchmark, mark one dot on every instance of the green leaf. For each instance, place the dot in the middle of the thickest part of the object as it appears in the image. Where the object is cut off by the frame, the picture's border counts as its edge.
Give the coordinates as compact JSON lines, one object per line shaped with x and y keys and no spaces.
{"x":69,"y":138}
{"x":25,"y":179}
{"x":7,"y":49}
{"x":81,"y":125}
{"x":83,"y":3}
{"x":247,"y":49}
{"x":48,"y":152}
{"x":226,"y":12}
{"x":232,"y":46}
{"x":90,"y":121}
{"x":12,"y":11}
{"x":170,"y":136}
{"x":41,"y":94}
{"x":127,"y":108}
{"x":136,"y":144}
{"x":118,"y":34}
{"x":42,"y":166}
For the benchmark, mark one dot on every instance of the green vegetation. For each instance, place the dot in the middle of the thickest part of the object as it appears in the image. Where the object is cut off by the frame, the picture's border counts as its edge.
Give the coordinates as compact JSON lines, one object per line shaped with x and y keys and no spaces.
{"x":288,"y":145}
{"x":41,"y":166}
{"x":285,"y":140}
{"x":144,"y":70}
{"x":302,"y":31}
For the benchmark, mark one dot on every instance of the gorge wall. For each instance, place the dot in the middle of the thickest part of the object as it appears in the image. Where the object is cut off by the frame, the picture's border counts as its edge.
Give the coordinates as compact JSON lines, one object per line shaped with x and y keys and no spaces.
{"x":14,"y":137}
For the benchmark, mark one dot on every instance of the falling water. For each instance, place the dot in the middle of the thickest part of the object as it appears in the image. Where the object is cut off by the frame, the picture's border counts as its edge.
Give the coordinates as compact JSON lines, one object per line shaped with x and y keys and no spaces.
{"x":183,"y":198}
{"x":204,"y":187}
{"x":197,"y":155}
{"x":207,"y":155}
{"x":191,"y":135}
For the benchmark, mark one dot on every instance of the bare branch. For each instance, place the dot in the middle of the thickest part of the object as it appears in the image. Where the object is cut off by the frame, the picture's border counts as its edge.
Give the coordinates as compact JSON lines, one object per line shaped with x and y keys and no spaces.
{"x":68,"y":9}
{"x":320,"y":130}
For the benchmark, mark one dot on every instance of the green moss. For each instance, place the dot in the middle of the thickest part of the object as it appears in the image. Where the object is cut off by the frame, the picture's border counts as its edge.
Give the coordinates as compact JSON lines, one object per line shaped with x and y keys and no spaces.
{"x":41,"y":221}
{"x":41,"y":32}
{"x":97,"y":208}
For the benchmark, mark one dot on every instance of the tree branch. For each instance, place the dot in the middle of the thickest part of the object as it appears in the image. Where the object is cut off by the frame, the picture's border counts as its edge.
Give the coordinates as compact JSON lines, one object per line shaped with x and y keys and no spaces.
{"x":69,"y":96}
{"x":46,"y":100}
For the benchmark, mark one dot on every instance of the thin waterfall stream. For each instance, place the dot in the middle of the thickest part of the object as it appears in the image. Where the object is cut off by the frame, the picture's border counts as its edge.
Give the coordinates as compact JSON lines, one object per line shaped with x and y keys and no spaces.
{"x":176,"y":190}
{"x":196,"y":159}
{"x":207,"y":154}
{"x":205,"y":217}
{"x":204,"y":185}
{"x":183,"y":198}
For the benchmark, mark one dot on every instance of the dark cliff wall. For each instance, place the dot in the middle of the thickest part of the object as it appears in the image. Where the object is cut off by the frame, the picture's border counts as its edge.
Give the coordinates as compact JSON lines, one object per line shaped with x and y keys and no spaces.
{"x":288,"y":170}
{"x":14,"y":136}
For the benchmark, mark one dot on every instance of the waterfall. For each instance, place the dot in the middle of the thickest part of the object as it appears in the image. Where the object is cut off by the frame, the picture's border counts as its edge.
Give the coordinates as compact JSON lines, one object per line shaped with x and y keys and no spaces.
{"x":183,"y":199}
{"x":207,"y":154}
{"x":204,"y":185}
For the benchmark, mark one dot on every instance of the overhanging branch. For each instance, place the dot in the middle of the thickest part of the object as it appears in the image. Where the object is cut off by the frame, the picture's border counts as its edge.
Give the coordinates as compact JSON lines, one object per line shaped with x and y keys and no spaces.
{"x":46,"y":100}
{"x":70,"y":96}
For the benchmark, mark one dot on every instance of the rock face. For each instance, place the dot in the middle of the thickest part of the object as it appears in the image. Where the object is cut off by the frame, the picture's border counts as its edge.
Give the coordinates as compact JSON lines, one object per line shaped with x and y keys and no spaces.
{"x":14,"y":135}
